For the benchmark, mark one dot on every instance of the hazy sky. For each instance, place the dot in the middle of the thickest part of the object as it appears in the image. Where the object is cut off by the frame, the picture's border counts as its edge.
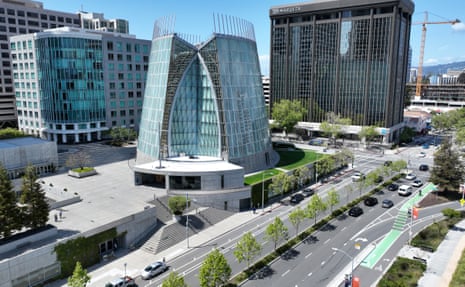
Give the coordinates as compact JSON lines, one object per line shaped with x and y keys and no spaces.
{"x":444,"y":43}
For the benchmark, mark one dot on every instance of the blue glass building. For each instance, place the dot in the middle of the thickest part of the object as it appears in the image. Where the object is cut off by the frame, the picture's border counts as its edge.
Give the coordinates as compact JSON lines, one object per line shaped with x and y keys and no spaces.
{"x":205,"y":100}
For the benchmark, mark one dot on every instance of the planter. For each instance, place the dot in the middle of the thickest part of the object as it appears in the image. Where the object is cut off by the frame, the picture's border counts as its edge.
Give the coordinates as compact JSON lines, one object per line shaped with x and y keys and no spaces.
{"x":82,"y":174}
{"x":178,"y":218}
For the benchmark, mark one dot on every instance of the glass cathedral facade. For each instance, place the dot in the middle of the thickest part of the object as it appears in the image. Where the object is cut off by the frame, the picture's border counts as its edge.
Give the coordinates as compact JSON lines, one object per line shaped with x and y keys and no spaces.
{"x":347,"y":57}
{"x":205,"y":100}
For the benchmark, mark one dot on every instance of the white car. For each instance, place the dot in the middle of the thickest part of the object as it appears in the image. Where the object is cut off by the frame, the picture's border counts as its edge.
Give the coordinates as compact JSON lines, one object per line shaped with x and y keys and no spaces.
{"x":422,"y":154}
{"x":417,"y":183}
{"x":153,"y":270}
{"x":357,"y":176}
{"x":410,"y":176}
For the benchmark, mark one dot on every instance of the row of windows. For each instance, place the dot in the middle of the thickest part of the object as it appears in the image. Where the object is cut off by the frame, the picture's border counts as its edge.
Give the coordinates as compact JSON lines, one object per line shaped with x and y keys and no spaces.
{"x":118,"y":46}
{"x":111,"y":67}
{"x":35,"y":15}
{"x":119,"y":57}
{"x":124,"y":113}
{"x":23,"y":66}
{"x":122,"y":104}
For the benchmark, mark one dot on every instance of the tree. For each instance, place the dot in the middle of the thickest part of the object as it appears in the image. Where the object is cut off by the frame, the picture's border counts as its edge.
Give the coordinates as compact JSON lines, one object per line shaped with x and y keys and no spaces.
{"x":80,"y":278}
{"x":334,"y":125}
{"x":177,"y":204}
{"x":315,"y":206}
{"x":287,"y":114}
{"x":296,"y":217}
{"x":215,"y":270}
{"x":79,"y":159}
{"x":407,"y":135}
{"x":368,"y":133}
{"x":324,"y":166}
{"x":280,"y":184}
{"x":448,"y":170}
{"x":332,"y":199}
{"x":174,"y":280}
{"x":276,"y":231}
{"x":9,"y":210}
{"x":247,"y":248}
{"x":33,"y":196}
{"x":302,"y":174}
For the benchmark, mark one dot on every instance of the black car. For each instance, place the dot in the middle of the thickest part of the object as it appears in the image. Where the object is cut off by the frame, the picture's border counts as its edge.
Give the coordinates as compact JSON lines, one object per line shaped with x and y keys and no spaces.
{"x":387,"y":163}
{"x":370,"y":201}
{"x":355,"y":211}
{"x":423,"y":167}
{"x":387,"y":203}
{"x":393,"y":187}
{"x":296,"y":198}
{"x":308,"y":192}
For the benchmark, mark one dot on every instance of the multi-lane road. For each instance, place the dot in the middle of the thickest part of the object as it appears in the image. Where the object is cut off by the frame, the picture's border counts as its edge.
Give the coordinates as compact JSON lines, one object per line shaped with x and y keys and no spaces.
{"x":324,"y":258}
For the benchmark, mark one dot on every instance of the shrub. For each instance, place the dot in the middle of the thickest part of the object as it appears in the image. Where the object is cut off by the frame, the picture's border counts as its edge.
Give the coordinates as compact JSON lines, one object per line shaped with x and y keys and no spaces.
{"x":177,"y":204}
{"x":451,"y":213}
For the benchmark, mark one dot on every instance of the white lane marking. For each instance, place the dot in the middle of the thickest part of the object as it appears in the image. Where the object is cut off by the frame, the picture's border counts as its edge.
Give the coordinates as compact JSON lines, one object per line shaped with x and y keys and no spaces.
{"x":284,"y":274}
{"x":308,"y":255}
{"x":327,"y":240}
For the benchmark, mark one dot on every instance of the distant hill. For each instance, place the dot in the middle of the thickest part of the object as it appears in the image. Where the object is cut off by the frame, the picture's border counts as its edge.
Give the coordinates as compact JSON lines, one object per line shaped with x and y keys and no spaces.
{"x":442,"y":69}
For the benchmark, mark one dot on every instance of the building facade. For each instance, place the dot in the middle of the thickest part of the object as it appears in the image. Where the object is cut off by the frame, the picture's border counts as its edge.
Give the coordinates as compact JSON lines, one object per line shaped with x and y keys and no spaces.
{"x":72,"y":84}
{"x":204,"y":110}
{"x":19,"y":17}
{"x":348,"y":57}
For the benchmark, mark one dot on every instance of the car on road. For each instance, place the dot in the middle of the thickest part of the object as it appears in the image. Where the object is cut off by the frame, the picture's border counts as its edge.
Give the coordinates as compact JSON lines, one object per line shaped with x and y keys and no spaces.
{"x":370,"y":201}
{"x":296,"y":198}
{"x":417,"y":183}
{"x":387,"y":203}
{"x":423,"y":167}
{"x":405,"y":190}
{"x":410,"y":176}
{"x":153,"y":270}
{"x":422,"y":154}
{"x":355,"y":211}
{"x":122,"y":282}
{"x":308,"y":192}
{"x":393,"y":187}
{"x":357,"y":176}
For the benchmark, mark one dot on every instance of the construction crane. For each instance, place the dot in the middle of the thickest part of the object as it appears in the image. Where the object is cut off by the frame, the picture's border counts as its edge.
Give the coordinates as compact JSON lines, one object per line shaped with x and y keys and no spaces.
{"x":422,"y":48}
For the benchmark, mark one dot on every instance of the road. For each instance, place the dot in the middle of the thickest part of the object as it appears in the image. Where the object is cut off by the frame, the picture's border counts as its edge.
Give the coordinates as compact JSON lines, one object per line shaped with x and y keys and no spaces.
{"x":313,"y":262}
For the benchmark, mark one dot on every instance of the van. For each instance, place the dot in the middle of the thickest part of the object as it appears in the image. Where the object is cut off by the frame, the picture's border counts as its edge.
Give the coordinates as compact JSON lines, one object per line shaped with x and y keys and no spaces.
{"x":405,"y":190}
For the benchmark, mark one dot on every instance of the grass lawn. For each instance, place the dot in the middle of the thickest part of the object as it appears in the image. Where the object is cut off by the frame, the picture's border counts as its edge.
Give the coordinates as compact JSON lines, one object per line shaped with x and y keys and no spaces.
{"x":84,"y":169}
{"x":459,"y":276}
{"x":403,"y":272}
{"x":257,"y":177}
{"x":291,"y":159}
{"x":434,"y":234}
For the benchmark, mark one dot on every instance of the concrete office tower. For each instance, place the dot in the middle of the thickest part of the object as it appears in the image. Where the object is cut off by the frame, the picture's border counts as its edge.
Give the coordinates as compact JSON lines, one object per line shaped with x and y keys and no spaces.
{"x":205,"y":99}
{"x":18,"y":17}
{"x":349,"y":57}
{"x":72,"y":84}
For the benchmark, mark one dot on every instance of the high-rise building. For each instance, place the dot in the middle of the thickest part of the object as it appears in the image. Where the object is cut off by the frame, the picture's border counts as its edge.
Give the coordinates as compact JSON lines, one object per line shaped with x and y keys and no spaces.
{"x":204,"y":121}
{"x":348,"y":57}
{"x":72,"y":84}
{"x":19,"y":17}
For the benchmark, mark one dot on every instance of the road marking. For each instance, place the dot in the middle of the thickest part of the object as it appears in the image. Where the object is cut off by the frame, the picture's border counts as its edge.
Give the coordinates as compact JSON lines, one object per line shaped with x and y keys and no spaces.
{"x":327,"y":240}
{"x":310,"y":274}
{"x":308,"y":255}
{"x":284,"y":274}
{"x":343,"y":228}
{"x":323,"y":263}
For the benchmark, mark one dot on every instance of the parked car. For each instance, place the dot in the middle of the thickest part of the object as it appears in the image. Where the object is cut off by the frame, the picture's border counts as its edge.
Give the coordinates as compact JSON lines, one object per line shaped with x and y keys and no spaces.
{"x":357,"y":176}
{"x":393,"y":187}
{"x":387,"y":203}
{"x":422,"y":154}
{"x":355,"y":211}
{"x":308,"y":192}
{"x":405,"y":190}
{"x":122,"y":282}
{"x":423,"y":167}
{"x":410,"y":176}
{"x":296,"y":198}
{"x":153,"y":270}
{"x":370,"y":201}
{"x":387,"y":163}
{"x":417,"y":183}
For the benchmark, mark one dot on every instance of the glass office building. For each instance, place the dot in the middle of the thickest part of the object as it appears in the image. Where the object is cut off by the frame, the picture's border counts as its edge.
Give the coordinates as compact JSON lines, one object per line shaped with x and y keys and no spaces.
{"x":205,"y":99}
{"x":347,"y":57}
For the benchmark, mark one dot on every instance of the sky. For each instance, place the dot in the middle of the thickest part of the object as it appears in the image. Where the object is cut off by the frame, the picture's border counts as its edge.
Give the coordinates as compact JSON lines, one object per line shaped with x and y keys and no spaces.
{"x":445,"y":43}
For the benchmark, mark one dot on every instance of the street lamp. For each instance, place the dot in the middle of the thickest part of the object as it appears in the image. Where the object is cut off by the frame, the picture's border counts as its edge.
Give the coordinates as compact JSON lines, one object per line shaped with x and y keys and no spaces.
{"x":125,"y":264}
{"x":351,"y":260}
{"x":187,"y":219}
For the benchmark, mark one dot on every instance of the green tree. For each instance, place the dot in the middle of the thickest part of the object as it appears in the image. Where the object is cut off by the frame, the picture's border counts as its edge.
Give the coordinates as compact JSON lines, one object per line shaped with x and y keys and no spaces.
{"x":247,"y":248}
{"x":9,"y":211}
{"x":332,"y":199}
{"x":287,"y":114}
{"x":302,"y":175}
{"x":215,"y":270}
{"x":344,"y":157}
{"x":334,"y":126}
{"x":324,"y":166}
{"x":280,"y":184}
{"x":448,"y":169}
{"x":78,"y":159}
{"x":177,"y":204}
{"x":407,"y":135}
{"x":368,"y":133}
{"x":296,"y":217}
{"x":276,"y":231}
{"x":80,"y":278}
{"x":33,"y":196}
{"x":174,"y":280}
{"x":315,"y":206}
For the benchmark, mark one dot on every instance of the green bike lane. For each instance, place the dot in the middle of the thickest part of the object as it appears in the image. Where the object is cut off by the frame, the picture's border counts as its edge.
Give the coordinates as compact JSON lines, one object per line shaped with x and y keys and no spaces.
{"x":397,"y":228}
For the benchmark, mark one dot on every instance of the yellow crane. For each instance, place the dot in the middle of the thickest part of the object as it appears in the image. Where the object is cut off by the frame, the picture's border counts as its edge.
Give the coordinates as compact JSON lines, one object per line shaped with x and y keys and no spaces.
{"x":422,"y":48}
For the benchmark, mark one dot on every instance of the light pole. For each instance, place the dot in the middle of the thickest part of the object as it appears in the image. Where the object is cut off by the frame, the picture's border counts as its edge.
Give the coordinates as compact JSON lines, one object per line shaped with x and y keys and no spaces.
{"x":187,"y":220}
{"x":125,"y":264}
{"x":351,"y":260}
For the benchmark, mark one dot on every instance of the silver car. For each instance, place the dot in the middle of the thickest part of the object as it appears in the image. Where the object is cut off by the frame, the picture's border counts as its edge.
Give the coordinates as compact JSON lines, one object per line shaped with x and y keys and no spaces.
{"x":153,"y":270}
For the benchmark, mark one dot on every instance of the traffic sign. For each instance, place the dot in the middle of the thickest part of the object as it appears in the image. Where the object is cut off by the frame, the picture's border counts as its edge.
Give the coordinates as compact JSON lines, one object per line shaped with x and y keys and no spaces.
{"x":462,"y":202}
